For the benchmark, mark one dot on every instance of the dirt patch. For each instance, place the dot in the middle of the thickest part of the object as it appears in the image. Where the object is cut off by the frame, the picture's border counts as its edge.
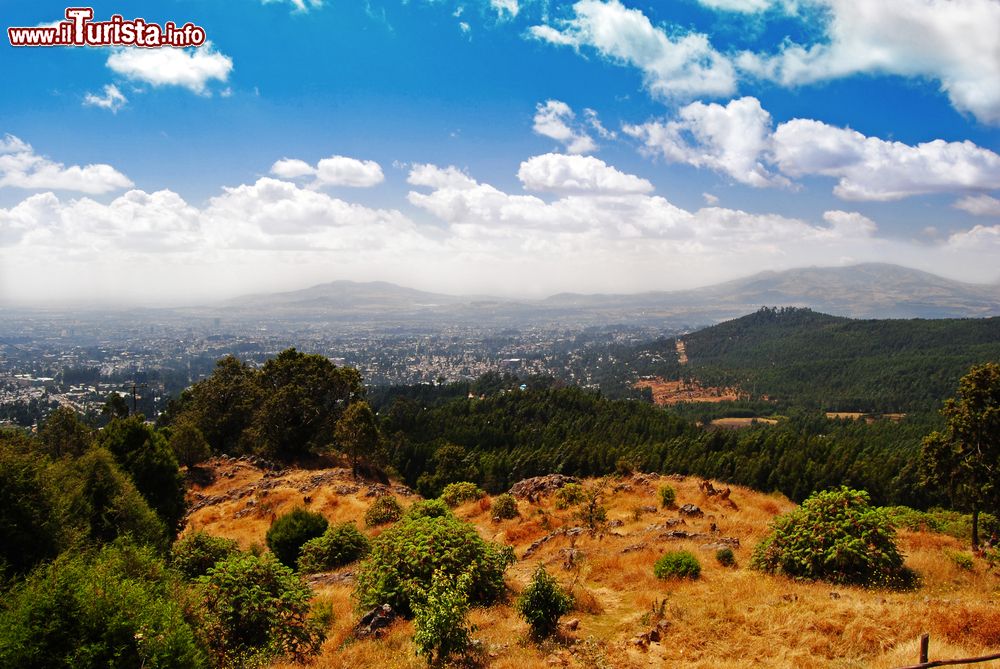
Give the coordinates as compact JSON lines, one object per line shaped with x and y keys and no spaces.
{"x":674,"y":392}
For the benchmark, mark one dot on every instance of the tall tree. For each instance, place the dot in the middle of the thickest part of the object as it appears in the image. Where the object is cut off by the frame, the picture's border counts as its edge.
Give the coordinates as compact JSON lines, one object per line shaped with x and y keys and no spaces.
{"x":964,"y":458}
{"x":63,"y":433}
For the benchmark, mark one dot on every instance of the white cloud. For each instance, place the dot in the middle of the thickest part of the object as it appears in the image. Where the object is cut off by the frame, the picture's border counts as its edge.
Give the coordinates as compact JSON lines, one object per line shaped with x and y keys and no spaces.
{"x":112,"y":100}
{"x":732,"y":139}
{"x":737,"y":140}
{"x":742,"y":6}
{"x":189,"y":68}
{"x":298,"y":5}
{"x":710,"y":200}
{"x":559,"y":173}
{"x":979,"y":205}
{"x":437,"y":177}
{"x":21,"y":167}
{"x":332,"y":171}
{"x":556,"y":119}
{"x":870,"y":168}
{"x":955,"y":42}
{"x":673,"y":65}
{"x":508,"y":8}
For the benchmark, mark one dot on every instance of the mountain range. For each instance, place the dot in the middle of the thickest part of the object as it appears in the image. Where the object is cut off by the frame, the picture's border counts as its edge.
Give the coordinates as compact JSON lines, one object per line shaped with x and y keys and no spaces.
{"x":871,"y":290}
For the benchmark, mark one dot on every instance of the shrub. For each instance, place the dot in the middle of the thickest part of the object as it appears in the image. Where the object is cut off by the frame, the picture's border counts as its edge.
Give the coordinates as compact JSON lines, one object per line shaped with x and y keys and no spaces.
{"x":188,"y":444}
{"x":569,"y":495}
{"x":961,"y":560}
{"x":592,"y":512}
{"x":542,"y":603}
{"x":383,"y":510}
{"x":457,"y":493}
{"x":835,"y":536}
{"x":30,"y":528}
{"x":428,"y":508}
{"x":195,"y":553}
{"x":339,"y":545}
{"x":439,"y":619}
{"x":504,"y":507}
{"x":290,"y":531}
{"x":677,"y":564}
{"x":116,"y":608}
{"x":725,"y":557}
{"x":667,"y":496}
{"x":256,"y":609}
{"x":403,"y":559}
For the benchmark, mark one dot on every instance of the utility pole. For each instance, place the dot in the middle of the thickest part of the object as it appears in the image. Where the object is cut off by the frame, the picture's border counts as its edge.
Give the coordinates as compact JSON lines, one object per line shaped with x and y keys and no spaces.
{"x":135,"y":386}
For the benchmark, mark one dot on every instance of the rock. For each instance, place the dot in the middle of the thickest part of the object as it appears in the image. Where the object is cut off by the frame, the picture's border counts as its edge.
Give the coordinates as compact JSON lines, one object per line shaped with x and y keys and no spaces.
{"x":616,"y":523}
{"x":653,"y":635}
{"x":678,"y":535}
{"x":691,"y":511}
{"x":572,"y":624}
{"x":720,"y":543}
{"x":834,"y":595}
{"x":373,"y":622}
{"x":648,"y":509}
{"x":540,"y":485}
{"x":329,"y":578}
{"x":633,"y":548}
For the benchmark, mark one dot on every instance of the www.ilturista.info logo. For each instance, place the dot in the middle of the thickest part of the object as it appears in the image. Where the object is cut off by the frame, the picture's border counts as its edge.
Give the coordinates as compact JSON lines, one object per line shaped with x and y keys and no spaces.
{"x":79,"y":29}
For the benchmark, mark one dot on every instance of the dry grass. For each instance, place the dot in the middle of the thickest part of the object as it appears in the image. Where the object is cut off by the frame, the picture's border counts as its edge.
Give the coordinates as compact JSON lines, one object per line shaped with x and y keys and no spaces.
{"x":729,"y":618}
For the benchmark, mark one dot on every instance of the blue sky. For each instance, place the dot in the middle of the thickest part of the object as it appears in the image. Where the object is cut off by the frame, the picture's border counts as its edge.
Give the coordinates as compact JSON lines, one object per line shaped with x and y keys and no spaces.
{"x":509,"y":146}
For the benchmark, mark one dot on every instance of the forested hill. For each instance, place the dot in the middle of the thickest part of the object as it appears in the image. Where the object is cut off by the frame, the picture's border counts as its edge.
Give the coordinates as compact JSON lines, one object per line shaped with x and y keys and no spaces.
{"x":838,"y":364}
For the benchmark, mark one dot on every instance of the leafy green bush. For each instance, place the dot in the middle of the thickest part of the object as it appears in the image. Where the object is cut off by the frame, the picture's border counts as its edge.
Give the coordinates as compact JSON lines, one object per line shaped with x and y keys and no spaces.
{"x":592,"y":511}
{"x":677,"y":564}
{"x":256,"y":609}
{"x":961,"y":560}
{"x":725,"y":557}
{"x":340,"y":544}
{"x":30,"y":528}
{"x":667,"y":496}
{"x":195,"y":553}
{"x":384,"y":510}
{"x":439,"y":619}
{"x":428,"y":508}
{"x":463,"y":491}
{"x":944,"y":521}
{"x":504,"y":507}
{"x":403,"y":559}
{"x":116,"y":608}
{"x":290,"y":531}
{"x":569,"y":495}
{"x":835,"y":536}
{"x":542,"y":603}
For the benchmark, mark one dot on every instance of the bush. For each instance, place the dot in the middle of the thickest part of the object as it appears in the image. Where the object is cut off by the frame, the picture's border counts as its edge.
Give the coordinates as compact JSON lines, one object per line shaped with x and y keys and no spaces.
{"x":961,"y":560}
{"x":725,"y":557}
{"x":195,"y":553}
{"x":677,"y":564}
{"x":504,"y":507}
{"x":592,"y":512}
{"x":542,"y":603}
{"x":339,"y":545}
{"x":383,"y":510}
{"x":457,"y":493}
{"x":428,"y":508}
{"x":569,"y":495}
{"x":835,"y":536}
{"x":290,"y":531}
{"x":116,"y":608}
{"x":667,"y":496}
{"x":403,"y":559}
{"x":30,"y":528}
{"x":256,"y":609}
{"x":439,"y":621}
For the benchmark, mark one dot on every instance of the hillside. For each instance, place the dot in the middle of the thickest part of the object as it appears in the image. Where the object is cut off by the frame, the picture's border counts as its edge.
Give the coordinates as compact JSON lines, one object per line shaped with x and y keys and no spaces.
{"x":829,"y":362}
{"x":861,"y":291}
{"x":729,"y":618}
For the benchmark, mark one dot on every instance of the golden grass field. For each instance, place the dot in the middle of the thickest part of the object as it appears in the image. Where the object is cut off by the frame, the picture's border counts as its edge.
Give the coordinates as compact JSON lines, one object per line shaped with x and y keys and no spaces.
{"x":730,"y":618}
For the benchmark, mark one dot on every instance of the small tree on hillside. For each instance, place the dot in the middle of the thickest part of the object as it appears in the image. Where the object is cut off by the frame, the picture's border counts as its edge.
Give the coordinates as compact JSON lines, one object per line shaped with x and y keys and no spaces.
{"x":963,"y":460}
{"x":357,"y":433}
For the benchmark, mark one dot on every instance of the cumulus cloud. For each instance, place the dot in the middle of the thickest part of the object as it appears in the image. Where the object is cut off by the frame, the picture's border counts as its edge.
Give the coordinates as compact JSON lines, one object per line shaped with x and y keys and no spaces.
{"x":332,"y":171}
{"x":508,"y":8}
{"x":979,"y":205}
{"x":737,"y":139}
{"x":733,"y":139}
{"x":558,"y":172}
{"x":192,"y":69}
{"x":425,"y":174}
{"x":955,"y":42}
{"x":674,"y":65}
{"x":112,"y":100}
{"x":556,"y":119}
{"x":298,"y":5}
{"x":870,"y":168}
{"x":21,"y":167}
{"x":742,"y":6}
